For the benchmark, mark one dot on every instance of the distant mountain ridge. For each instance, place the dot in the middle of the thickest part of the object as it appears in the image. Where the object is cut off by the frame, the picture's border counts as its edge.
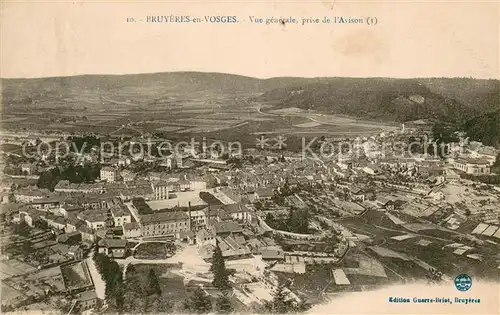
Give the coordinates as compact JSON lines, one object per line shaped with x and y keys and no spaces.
{"x":450,"y":99}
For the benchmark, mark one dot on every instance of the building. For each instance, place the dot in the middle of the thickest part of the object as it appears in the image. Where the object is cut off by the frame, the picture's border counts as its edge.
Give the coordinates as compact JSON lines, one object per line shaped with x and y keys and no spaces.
{"x":27,"y":169}
{"x":198,"y":219}
{"x":386,"y":203}
{"x":239,"y":212}
{"x":112,"y":247}
{"x":55,"y":222}
{"x":87,"y":234}
{"x":95,"y":219}
{"x":472,"y":166}
{"x":264,"y":194}
{"x":30,"y":194}
{"x":356,"y":194}
{"x":204,"y":237}
{"x":109,"y":174}
{"x":131,"y":230}
{"x":164,"y":223}
{"x":86,"y":301}
{"x":30,"y":217}
{"x":45,"y":203}
{"x":160,"y":190}
{"x":273,"y":254}
{"x":127,"y":175}
{"x":226,"y":228}
{"x":120,"y":213}
{"x":73,"y":224}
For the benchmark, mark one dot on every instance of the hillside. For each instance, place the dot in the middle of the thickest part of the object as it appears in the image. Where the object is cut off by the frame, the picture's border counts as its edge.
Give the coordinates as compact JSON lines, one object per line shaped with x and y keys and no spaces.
{"x":135,"y":87}
{"x":485,"y":128}
{"x":455,"y":99}
{"x":483,"y":94}
{"x":376,"y":98}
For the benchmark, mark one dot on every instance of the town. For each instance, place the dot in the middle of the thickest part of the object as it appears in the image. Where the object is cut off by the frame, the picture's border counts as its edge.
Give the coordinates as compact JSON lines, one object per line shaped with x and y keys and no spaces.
{"x":264,"y":229}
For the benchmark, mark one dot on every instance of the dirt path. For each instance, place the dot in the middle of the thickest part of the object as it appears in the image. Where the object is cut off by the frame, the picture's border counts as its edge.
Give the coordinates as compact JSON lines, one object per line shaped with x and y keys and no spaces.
{"x":99,"y":285}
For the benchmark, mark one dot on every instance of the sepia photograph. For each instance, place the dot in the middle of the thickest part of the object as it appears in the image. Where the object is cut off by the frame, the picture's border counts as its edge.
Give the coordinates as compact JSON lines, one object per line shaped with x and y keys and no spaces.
{"x":273,"y":157}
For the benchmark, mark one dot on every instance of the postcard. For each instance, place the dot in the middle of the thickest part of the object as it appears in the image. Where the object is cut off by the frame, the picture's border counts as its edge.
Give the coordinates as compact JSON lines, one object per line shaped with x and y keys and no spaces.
{"x":242,"y":157}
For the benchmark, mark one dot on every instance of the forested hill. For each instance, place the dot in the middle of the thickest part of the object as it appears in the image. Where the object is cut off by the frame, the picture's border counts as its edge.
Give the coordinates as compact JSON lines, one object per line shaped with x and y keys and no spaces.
{"x":453,"y":100}
{"x":485,"y":128}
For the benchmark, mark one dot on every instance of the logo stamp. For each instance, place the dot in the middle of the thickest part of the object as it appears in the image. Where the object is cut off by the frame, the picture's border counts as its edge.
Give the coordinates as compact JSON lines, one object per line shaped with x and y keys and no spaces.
{"x":463,"y":282}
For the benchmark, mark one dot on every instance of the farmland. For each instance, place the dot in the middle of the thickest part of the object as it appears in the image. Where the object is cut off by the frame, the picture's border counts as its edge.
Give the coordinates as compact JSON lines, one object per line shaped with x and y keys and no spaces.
{"x":177,"y":113}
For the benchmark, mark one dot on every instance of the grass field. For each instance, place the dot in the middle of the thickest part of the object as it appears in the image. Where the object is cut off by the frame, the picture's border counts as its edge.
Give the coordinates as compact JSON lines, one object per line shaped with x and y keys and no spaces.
{"x":227,"y":117}
{"x":172,"y":285}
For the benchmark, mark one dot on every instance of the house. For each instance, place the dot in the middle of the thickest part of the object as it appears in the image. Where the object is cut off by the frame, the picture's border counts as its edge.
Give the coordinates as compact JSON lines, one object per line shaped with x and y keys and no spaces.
{"x":76,"y":252}
{"x":356,"y":193}
{"x":72,"y":237}
{"x":73,"y":224}
{"x":109,"y":174}
{"x":198,"y":219}
{"x":184,"y":185}
{"x":70,"y":210}
{"x":239,"y":212}
{"x":30,"y":194}
{"x":131,"y":230}
{"x":87,"y":234}
{"x":272,"y":254}
{"x":56,"y":222}
{"x":45,"y":203}
{"x":127,"y":175}
{"x":30,"y":217}
{"x":86,"y":300}
{"x":264,"y":193}
{"x":472,"y":166}
{"x":161,"y":190}
{"x":386,"y":203}
{"x":27,"y":169}
{"x":216,"y":214}
{"x":226,"y":228}
{"x":187,"y":236}
{"x":164,"y":223}
{"x":204,"y":237}
{"x":112,"y":247}
{"x":95,"y":219}
{"x":120,"y":213}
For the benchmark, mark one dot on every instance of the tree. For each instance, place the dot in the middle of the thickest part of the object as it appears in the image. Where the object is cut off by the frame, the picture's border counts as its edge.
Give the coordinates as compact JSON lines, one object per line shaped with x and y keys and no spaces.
{"x":298,"y":221}
{"x":223,"y":304}
{"x":279,"y":304}
{"x":22,"y":229}
{"x":153,"y":283}
{"x":155,"y":304}
{"x":495,"y":168}
{"x":218,"y":268}
{"x":199,"y":302}
{"x":113,"y":278}
{"x":434,"y":276}
{"x":258,"y":205}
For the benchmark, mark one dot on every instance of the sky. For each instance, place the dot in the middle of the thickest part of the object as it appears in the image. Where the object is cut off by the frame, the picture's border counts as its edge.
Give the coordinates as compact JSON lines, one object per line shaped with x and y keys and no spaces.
{"x":411,"y":39}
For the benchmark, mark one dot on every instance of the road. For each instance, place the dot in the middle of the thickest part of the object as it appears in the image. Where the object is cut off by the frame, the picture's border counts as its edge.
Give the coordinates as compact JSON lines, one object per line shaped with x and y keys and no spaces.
{"x":99,"y":285}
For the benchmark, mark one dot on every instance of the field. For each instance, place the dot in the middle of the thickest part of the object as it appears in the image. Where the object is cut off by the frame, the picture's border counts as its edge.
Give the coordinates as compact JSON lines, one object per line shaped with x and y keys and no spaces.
{"x":11,"y":268}
{"x":154,"y":251}
{"x":76,"y":276}
{"x":172,"y":285}
{"x":178,"y":116}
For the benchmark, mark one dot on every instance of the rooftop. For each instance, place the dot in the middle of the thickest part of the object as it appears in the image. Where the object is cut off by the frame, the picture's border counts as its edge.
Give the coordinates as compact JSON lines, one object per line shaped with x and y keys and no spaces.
{"x":112,"y":243}
{"x":227,"y":227}
{"x":131,"y":226}
{"x":164,"y":217}
{"x":87,"y":295}
{"x":119,"y":210}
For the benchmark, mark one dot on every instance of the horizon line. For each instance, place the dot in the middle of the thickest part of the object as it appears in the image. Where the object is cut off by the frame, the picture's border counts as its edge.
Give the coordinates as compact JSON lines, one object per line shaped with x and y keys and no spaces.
{"x":246,"y":76}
